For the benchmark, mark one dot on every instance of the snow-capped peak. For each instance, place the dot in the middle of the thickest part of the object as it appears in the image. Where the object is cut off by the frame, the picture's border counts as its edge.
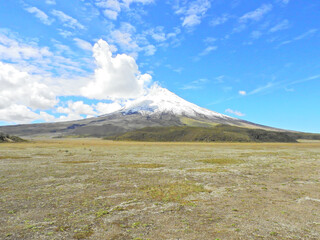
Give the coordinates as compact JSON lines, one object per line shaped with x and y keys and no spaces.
{"x":160,"y":100}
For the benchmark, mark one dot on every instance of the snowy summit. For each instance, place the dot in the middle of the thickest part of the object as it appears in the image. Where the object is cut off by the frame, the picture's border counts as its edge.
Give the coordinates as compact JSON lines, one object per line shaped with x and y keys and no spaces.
{"x":159,"y":100}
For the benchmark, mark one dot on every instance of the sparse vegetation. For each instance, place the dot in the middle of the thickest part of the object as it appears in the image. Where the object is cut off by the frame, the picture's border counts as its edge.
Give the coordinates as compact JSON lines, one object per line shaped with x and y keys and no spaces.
{"x":221,"y":161}
{"x":142,"y":165}
{"x":172,"y":192}
{"x":143,"y":190}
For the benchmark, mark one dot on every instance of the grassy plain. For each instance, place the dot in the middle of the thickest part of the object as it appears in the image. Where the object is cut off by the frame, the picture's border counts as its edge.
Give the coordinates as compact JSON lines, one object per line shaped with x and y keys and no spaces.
{"x":98,"y":189}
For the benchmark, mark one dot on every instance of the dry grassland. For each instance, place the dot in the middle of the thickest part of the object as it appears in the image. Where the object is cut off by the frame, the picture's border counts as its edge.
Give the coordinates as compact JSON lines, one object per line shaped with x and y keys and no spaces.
{"x":96,"y":189}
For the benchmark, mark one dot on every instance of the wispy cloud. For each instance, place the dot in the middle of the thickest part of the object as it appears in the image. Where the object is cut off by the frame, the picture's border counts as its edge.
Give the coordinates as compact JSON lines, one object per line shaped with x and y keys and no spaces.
{"x":67,"y":20}
{"x":208,"y":50}
{"x":256,"y":34}
{"x":193,"y":12}
{"x":234,"y":112}
{"x":257,"y":14}
{"x":263,"y":88}
{"x":304,"y":80}
{"x":112,"y":8}
{"x":83,"y":44}
{"x":220,"y":20}
{"x":50,"y":2}
{"x":281,"y":26}
{"x":307,"y":34}
{"x":197,"y":84}
{"x":44,"y":18}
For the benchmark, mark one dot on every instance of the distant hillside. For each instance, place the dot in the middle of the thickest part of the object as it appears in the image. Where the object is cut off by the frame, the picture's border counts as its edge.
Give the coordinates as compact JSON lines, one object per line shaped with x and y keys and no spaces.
{"x":8,"y":138}
{"x":219,"y":133}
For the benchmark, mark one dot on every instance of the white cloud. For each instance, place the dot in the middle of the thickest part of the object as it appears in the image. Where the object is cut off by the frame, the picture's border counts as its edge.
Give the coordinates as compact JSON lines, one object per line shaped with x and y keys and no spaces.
{"x":256,"y":34}
{"x":77,"y":108}
{"x":115,"y":77}
{"x":157,"y":34}
{"x":40,"y":14}
{"x":243,"y":93}
{"x":208,"y":50}
{"x":149,"y":50}
{"x":50,"y":2}
{"x":124,"y":37}
{"x":83,"y":44}
{"x":285,"y":1}
{"x":110,"y":4}
{"x":193,"y":12}
{"x":281,"y":26}
{"x":307,"y":34}
{"x":220,"y":20}
{"x":11,"y":49}
{"x":209,"y":40}
{"x":144,"y":2}
{"x":263,"y":88}
{"x":257,"y":14}
{"x":69,"y":117}
{"x":111,"y":14}
{"x":105,"y":108}
{"x":234,"y":112}
{"x":67,"y":20}
{"x":112,"y":8}
{"x":197,"y":84}
{"x":19,"y":87}
{"x":17,"y":114}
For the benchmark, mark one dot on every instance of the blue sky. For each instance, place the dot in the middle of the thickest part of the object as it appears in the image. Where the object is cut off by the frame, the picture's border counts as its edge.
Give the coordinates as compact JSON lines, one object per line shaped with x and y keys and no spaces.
{"x":256,"y":60}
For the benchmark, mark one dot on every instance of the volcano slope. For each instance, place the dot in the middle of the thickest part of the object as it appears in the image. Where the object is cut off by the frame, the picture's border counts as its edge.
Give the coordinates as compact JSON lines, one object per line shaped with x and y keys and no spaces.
{"x":158,"y":108}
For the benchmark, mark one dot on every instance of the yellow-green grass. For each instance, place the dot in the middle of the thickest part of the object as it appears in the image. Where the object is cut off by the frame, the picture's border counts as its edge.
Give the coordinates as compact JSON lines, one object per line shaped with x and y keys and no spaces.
{"x":206,"y":170}
{"x":221,"y":161}
{"x":172,"y":192}
{"x":142,"y":165}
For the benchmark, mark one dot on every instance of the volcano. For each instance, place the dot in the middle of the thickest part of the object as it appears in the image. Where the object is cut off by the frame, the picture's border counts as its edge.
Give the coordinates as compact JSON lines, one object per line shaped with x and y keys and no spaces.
{"x":159,"y":107}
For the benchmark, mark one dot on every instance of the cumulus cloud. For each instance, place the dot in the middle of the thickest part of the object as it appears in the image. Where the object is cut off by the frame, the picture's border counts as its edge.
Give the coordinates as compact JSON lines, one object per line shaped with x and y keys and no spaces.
{"x":17,"y":113}
{"x":114,"y":77}
{"x":67,"y":20}
{"x":105,"y":108}
{"x":257,"y":14}
{"x":77,"y":108}
{"x":19,"y":87}
{"x":234,"y":112}
{"x":21,"y":94}
{"x":40,"y":15}
{"x":193,"y":12}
